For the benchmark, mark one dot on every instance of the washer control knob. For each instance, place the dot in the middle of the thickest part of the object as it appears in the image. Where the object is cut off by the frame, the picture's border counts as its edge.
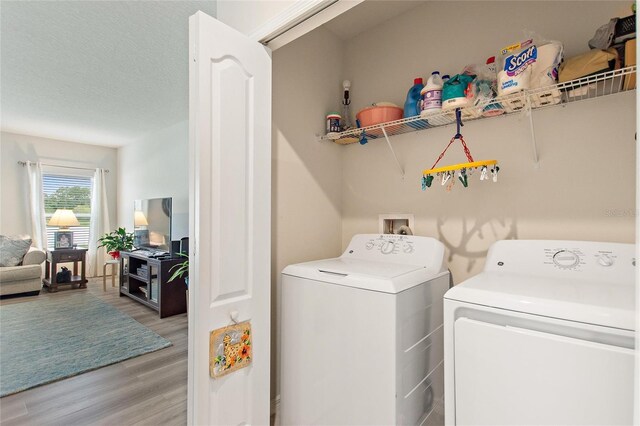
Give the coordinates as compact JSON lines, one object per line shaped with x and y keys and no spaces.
{"x":387,"y":247}
{"x":369,"y":245}
{"x":408,"y":248}
{"x":605,"y":260}
{"x":566,"y":259}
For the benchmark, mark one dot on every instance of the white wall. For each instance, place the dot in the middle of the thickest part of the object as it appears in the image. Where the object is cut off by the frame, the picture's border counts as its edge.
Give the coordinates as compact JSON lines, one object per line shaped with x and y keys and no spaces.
{"x":584,"y":188}
{"x":14,"y":203}
{"x":156,"y":166}
{"x":247,"y":15}
{"x":307,"y":174}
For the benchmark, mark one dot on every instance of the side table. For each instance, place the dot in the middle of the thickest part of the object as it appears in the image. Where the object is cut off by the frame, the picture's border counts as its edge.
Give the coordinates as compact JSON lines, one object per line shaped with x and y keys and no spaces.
{"x":54,"y":257}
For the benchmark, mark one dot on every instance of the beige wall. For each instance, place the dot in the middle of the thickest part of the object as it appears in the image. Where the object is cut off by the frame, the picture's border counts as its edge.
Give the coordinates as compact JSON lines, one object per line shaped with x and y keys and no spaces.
{"x":307,"y":174}
{"x":584,"y":188}
{"x":14,"y":203}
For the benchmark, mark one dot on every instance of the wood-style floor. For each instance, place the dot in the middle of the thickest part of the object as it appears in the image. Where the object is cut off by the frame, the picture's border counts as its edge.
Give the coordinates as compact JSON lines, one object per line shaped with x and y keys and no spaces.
{"x":148,"y":390}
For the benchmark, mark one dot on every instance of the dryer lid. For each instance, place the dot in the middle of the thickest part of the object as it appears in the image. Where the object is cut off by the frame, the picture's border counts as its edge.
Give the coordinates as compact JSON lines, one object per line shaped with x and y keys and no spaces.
{"x":591,"y":302}
{"x":580,"y":281}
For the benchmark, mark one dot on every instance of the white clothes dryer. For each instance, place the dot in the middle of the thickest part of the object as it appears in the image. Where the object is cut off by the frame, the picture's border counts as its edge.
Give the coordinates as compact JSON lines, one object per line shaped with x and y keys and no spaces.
{"x":544,"y":336}
{"x":362,"y":336}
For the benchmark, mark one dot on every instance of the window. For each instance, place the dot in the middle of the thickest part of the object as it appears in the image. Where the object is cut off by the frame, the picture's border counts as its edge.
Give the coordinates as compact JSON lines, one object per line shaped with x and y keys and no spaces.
{"x":68,"y":192}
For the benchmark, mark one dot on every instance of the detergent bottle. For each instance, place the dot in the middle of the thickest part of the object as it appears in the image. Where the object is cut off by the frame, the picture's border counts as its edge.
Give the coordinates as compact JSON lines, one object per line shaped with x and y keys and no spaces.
{"x":432,"y":95}
{"x":411,"y":106}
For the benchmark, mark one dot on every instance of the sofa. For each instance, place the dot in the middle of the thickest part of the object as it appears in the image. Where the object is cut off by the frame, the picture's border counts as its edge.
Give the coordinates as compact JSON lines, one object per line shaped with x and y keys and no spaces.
{"x":26,"y":277}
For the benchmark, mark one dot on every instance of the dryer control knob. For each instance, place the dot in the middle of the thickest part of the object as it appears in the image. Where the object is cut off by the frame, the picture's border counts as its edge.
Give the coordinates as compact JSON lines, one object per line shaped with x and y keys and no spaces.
{"x":605,"y":260}
{"x":566,"y":259}
{"x":387,"y":247}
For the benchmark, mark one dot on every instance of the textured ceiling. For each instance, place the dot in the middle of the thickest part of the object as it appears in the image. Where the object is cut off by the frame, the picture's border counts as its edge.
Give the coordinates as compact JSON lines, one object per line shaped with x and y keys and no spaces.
{"x":99,"y":72}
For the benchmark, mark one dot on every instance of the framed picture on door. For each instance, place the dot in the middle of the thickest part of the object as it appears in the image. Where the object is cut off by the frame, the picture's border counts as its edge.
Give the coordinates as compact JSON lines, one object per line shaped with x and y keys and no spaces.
{"x":229,"y":349}
{"x":63,"y":239}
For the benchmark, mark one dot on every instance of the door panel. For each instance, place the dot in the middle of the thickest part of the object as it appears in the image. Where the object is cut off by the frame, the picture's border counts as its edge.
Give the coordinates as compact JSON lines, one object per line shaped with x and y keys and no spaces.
{"x":514,"y":376}
{"x":230,"y":193}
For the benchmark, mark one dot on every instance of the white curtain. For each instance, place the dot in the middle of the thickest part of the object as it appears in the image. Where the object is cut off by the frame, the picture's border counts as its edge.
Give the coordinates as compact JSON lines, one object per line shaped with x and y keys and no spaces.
{"x":99,"y":224}
{"x":36,"y":206}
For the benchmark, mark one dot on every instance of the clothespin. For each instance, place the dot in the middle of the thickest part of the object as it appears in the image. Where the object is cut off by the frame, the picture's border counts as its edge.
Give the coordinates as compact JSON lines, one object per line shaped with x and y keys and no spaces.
{"x":450,"y":186}
{"x":483,"y":173}
{"x":445,"y":177}
{"x":363,"y":136}
{"x":494,"y":173}
{"x":462,"y":175}
{"x":426,"y":182}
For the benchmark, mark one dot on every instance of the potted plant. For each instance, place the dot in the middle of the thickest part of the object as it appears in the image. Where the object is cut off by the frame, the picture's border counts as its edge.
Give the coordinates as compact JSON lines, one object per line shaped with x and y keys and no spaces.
{"x":116,"y":241}
{"x":181,"y":270}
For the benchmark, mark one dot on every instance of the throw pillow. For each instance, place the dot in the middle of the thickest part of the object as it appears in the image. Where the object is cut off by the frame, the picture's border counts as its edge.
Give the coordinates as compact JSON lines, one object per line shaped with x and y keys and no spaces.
{"x":13,"y":249}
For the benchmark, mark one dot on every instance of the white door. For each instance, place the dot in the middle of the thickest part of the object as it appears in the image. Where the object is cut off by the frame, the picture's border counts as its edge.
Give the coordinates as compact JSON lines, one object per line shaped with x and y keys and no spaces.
{"x":229,"y":226}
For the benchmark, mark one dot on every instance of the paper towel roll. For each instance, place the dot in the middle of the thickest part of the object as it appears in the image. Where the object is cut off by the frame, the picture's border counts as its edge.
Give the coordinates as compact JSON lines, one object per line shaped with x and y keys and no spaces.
{"x":544,"y":71}
{"x":512,"y":84}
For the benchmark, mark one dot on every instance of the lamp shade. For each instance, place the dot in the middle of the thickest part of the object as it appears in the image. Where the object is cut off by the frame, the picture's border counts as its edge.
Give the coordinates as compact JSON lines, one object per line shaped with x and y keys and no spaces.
{"x":63,"y":218}
{"x":139,"y":219}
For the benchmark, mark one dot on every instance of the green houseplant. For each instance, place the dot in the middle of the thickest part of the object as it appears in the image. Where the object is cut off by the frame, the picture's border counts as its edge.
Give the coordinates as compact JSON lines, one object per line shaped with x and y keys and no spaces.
{"x":116,"y":241}
{"x":181,"y":270}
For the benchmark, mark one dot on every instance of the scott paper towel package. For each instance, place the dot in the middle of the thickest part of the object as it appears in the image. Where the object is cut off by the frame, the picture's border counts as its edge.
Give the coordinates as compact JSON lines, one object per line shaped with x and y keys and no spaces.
{"x":530,"y":64}
{"x":515,"y":70}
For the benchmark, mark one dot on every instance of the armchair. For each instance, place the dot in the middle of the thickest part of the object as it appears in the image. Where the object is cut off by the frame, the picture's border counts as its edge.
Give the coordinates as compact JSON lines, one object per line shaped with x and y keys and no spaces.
{"x":25,"y":278}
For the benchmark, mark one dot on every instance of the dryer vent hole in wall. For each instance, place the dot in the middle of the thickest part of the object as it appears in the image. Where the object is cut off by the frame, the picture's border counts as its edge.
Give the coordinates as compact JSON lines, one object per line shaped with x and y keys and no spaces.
{"x":397,"y":226}
{"x":402,"y":224}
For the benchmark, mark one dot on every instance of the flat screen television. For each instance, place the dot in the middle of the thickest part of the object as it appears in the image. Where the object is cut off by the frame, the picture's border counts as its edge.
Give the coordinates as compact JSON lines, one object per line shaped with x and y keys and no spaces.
{"x":152,"y":224}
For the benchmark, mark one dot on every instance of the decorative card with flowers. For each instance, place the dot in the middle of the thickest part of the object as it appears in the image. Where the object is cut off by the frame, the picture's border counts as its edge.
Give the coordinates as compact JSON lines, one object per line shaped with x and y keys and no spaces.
{"x":229,"y":349}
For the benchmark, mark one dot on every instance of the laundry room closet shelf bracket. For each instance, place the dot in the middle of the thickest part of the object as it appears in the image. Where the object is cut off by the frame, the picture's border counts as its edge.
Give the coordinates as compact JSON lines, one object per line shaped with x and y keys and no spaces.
{"x":395,"y":157}
{"x":534,"y":145}
{"x":591,"y":87}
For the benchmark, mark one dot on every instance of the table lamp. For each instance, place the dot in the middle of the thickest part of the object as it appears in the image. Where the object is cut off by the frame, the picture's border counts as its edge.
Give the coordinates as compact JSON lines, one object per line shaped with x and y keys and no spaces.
{"x":63,"y":219}
{"x":140,"y":219}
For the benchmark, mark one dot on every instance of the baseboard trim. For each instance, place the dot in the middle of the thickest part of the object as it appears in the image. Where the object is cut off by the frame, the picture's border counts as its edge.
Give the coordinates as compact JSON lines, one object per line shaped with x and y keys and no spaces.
{"x":275,"y":409}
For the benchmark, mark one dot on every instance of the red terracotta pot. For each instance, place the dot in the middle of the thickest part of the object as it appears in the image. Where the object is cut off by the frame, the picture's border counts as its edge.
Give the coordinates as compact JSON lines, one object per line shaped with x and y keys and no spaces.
{"x":115,"y":254}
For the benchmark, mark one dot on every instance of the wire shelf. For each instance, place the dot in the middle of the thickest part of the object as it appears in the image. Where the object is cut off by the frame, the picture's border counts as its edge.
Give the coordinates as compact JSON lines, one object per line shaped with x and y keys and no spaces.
{"x":595,"y":86}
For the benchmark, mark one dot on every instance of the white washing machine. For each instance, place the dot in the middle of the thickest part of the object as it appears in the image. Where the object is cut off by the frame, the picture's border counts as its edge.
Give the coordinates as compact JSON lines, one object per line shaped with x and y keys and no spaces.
{"x":544,"y":336}
{"x":362,"y":335}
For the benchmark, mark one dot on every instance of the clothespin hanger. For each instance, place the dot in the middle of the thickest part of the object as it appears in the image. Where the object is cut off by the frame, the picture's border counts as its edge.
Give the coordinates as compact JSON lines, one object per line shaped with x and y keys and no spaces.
{"x":464,"y":170}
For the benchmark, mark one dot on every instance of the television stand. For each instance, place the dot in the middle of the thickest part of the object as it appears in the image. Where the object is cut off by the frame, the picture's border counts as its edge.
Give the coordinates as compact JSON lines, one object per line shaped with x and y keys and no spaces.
{"x":145,"y":280}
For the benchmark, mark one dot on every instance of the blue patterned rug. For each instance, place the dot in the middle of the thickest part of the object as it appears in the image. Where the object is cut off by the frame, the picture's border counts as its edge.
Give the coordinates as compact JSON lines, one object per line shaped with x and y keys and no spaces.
{"x":48,"y":340}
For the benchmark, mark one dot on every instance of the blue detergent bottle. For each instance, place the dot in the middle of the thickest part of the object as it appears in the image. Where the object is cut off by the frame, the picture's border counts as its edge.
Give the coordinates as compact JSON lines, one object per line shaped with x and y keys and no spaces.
{"x":412,"y":104}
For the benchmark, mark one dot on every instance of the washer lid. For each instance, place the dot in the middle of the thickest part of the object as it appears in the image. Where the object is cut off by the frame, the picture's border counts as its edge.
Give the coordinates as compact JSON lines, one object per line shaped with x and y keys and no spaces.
{"x":609,"y":304}
{"x":364,"y":274}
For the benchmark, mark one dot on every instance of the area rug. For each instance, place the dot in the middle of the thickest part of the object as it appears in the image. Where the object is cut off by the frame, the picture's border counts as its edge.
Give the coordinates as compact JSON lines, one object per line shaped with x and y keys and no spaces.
{"x":50,"y":339}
